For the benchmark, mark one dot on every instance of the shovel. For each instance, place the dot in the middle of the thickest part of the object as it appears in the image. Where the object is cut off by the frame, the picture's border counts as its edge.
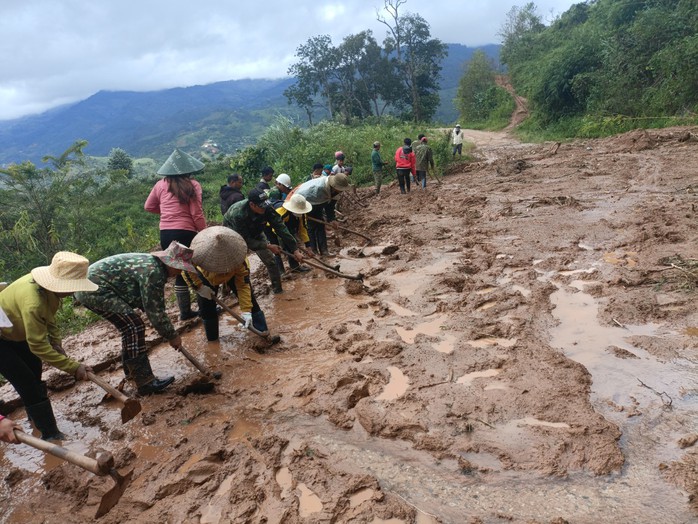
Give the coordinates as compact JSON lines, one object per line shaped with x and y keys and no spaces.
{"x":359,"y":277}
{"x":102,"y":466}
{"x":198,"y":365}
{"x":129,"y":407}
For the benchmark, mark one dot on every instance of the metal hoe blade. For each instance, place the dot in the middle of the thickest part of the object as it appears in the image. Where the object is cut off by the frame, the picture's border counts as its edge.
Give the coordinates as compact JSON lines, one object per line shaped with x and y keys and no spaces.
{"x":111,"y":497}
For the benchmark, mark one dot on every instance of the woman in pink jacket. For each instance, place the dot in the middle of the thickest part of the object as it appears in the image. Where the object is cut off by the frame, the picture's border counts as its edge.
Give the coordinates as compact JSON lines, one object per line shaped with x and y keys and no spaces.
{"x":177,"y":199}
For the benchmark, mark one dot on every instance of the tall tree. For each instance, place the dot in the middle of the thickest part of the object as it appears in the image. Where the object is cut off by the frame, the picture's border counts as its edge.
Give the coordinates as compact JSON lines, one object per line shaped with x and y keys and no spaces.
{"x":477,"y":80}
{"x":314,"y":72}
{"x":417,"y":58}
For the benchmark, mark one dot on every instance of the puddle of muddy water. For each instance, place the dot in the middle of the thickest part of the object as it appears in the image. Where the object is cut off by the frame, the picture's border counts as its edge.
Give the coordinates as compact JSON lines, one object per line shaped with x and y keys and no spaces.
{"x":431,"y":328}
{"x":308,"y":501}
{"x":396,"y":387}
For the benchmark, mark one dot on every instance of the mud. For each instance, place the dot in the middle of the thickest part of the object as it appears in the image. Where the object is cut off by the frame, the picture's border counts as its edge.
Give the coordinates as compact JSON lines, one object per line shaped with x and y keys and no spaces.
{"x":521,"y":349}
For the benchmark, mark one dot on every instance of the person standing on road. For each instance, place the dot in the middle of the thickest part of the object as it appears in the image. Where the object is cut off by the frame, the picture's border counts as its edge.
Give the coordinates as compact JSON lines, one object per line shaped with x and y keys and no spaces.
{"x":424,"y":159}
{"x":31,"y":303}
{"x":292,"y":211}
{"x":457,"y":140}
{"x":377,"y":164}
{"x":405,"y":165}
{"x":248,"y":218}
{"x":231,"y":192}
{"x":178,"y":200}
{"x":132,"y":281}
{"x":267,"y":175}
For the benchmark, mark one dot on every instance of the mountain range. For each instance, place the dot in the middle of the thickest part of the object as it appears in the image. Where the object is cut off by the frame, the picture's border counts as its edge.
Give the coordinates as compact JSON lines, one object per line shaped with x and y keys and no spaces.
{"x":150,"y":124}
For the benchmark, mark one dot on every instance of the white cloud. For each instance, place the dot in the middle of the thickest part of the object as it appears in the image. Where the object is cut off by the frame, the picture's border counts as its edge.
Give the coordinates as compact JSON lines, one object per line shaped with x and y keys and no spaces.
{"x":58,"y":52}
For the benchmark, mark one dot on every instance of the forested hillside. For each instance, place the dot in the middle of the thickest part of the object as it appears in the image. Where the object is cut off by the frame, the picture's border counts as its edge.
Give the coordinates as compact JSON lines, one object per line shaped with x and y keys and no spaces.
{"x":617,"y":63}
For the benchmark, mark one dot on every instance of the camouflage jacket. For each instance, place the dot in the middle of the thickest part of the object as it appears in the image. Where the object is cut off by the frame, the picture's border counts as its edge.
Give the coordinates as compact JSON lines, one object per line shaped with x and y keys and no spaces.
{"x":424,"y":157}
{"x":241,"y":219}
{"x":128,"y":282}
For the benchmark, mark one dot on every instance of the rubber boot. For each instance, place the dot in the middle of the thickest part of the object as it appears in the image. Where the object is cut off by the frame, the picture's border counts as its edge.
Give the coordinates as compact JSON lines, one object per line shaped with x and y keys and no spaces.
{"x":322,"y":243}
{"x":259,"y":322}
{"x":42,"y":416}
{"x":184,"y":303}
{"x":140,"y":370}
{"x":211,"y":328}
{"x":275,"y":278}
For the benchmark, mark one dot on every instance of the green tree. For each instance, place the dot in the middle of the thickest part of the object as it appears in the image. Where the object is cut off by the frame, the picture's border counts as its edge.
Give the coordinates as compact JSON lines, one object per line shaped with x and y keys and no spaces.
{"x":471,"y":97}
{"x":314,"y":72}
{"x":417,"y":58}
{"x":119,"y":160}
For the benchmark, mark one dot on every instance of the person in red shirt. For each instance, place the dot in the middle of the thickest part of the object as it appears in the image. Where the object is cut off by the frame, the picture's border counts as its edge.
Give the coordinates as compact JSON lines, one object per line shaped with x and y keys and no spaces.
{"x":405,"y":164}
{"x":178,"y":200}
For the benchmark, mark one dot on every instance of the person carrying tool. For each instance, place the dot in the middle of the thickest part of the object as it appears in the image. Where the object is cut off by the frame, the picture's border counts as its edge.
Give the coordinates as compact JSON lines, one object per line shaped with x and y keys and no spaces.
{"x":248,"y":218}
{"x":220,"y":257}
{"x":424,"y":159}
{"x":322,"y":193}
{"x":292,"y":211}
{"x":405,"y":165}
{"x":31,"y":303}
{"x":131,"y":281}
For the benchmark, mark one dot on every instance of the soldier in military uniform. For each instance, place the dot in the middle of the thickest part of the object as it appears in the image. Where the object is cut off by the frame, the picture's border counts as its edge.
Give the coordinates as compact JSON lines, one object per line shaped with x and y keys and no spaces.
{"x":133,"y":281}
{"x":248,"y":218}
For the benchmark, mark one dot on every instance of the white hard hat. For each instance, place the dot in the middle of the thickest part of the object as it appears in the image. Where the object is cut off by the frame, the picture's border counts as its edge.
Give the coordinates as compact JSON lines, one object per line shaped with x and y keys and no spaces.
{"x":285,"y":180}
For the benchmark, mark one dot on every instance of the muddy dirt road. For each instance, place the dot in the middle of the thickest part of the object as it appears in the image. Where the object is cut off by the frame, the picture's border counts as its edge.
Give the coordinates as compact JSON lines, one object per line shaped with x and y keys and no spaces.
{"x":523,"y":349}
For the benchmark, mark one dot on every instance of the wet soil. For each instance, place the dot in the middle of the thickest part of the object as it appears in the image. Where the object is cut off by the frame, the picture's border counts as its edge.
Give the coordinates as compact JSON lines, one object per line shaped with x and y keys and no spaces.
{"x":522,"y":349}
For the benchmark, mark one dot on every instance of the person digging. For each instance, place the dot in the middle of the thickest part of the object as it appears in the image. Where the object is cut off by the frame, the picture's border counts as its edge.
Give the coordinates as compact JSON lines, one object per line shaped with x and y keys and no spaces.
{"x":220,"y":257}
{"x":30,"y":336}
{"x":132,"y":281}
{"x":249,"y":218}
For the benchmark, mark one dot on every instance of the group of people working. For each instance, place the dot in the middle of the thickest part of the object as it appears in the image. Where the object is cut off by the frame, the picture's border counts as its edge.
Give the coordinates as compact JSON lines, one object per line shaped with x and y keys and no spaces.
{"x":271,"y":220}
{"x":199,"y":258}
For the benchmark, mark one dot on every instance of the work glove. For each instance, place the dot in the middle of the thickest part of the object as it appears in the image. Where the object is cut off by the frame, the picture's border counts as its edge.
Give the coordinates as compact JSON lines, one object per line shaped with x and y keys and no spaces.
{"x":247,"y":317}
{"x":205,"y":292}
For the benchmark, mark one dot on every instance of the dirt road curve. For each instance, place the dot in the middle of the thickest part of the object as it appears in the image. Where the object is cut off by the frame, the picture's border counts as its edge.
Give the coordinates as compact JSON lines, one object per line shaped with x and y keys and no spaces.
{"x":523,"y":349}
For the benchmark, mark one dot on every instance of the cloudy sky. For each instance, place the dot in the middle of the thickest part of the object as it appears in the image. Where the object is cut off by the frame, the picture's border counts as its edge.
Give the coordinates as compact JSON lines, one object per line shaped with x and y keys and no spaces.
{"x":54,"y":52}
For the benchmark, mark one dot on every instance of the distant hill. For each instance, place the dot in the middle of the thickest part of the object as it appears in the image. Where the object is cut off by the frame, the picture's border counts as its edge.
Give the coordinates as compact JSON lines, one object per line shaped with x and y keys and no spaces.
{"x":230,"y":114}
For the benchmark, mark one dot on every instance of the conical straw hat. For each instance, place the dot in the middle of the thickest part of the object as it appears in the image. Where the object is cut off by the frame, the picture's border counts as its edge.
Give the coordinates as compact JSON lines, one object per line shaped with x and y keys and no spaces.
{"x":180,"y":163}
{"x":218,"y":249}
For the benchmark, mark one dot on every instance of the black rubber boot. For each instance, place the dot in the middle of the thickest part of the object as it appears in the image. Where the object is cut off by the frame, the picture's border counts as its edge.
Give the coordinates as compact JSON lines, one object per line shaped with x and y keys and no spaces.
{"x":211,"y":328}
{"x":184,"y":303}
{"x":42,"y":416}
{"x":259,"y":322}
{"x":275,"y":278}
{"x":140,"y":371}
